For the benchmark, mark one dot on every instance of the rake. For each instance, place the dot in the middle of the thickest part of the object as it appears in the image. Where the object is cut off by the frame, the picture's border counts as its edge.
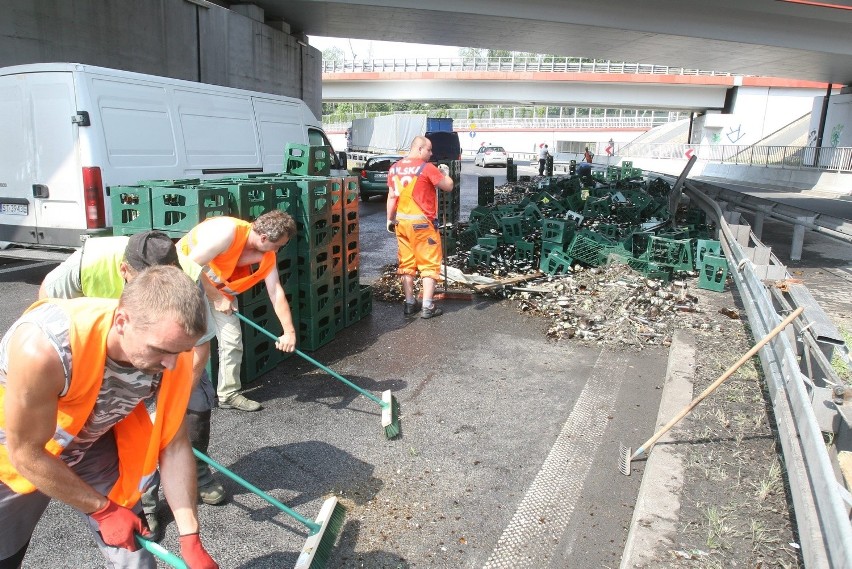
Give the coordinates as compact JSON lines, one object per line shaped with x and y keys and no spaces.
{"x":625,"y":457}
{"x":388,"y":403}
{"x":322,"y":533}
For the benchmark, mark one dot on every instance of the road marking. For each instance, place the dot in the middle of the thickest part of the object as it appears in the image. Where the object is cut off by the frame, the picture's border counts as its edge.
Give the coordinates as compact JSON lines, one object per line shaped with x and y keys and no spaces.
{"x":29,"y":266}
{"x":545,"y":511}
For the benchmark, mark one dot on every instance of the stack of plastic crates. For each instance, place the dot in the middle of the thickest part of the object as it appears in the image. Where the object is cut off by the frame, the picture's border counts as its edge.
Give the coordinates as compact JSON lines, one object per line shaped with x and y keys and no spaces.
{"x":357,"y":299}
{"x":316,"y":260}
{"x":259,"y":352}
{"x":449,"y":203}
{"x":485,"y":190}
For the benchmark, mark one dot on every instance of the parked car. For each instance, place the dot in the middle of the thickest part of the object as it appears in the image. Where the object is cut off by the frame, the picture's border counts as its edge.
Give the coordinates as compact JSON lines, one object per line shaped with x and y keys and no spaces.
{"x":373,"y":178}
{"x":490,"y":156}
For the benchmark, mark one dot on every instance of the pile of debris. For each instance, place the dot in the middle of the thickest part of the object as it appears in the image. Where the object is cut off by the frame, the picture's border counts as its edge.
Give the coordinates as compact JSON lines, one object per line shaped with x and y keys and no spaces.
{"x":611,"y":305}
{"x":602,"y":257}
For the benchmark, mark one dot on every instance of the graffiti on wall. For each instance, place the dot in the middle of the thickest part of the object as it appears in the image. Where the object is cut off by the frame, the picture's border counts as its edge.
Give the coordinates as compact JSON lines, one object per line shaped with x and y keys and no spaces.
{"x":735,"y":134}
{"x":835,"y":135}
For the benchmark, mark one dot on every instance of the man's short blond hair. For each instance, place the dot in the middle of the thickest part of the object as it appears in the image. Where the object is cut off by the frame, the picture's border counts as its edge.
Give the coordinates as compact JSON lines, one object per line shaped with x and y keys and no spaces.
{"x":275,"y":225}
{"x":162,"y":293}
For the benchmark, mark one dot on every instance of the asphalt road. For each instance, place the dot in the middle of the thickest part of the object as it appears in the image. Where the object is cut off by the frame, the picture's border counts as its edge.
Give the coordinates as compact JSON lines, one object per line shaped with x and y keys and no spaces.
{"x":508,"y":455}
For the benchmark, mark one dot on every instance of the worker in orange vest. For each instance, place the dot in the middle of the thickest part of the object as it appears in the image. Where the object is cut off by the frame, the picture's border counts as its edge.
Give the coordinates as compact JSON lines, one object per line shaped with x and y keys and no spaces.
{"x":236,"y":255}
{"x":412,"y":212}
{"x":74,"y":378}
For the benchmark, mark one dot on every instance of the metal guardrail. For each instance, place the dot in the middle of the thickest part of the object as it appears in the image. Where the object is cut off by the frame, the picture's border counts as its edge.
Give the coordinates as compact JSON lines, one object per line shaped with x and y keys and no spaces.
{"x":838,"y":159}
{"x":821,"y":502}
{"x":516,"y":64}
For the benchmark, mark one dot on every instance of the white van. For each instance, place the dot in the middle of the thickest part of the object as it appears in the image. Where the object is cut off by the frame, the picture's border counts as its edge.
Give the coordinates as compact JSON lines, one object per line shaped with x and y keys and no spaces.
{"x":73,"y":130}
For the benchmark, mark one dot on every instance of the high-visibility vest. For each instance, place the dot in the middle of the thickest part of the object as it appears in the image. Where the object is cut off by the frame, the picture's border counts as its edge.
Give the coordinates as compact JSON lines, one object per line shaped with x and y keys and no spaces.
{"x":138,"y":440}
{"x":223,"y":271}
{"x":100,"y":275}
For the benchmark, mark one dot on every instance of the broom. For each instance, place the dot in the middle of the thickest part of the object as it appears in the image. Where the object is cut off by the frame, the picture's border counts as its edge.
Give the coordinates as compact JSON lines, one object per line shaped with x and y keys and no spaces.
{"x":161,"y":552}
{"x":322,"y":533}
{"x":625,"y":457}
{"x":388,"y":403}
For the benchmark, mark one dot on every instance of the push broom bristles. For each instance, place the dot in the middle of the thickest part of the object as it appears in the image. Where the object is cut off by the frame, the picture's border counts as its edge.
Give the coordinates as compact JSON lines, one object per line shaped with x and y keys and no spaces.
{"x":317,"y":550}
{"x":390,"y":415}
{"x":322,"y":533}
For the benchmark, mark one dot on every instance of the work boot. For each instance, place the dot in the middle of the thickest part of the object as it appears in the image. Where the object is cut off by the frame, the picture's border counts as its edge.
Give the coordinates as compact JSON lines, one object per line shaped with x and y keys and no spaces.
{"x":209,"y":490}
{"x":431,"y":312}
{"x":412,"y":308}
{"x":212,"y":494}
{"x":240,"y":402}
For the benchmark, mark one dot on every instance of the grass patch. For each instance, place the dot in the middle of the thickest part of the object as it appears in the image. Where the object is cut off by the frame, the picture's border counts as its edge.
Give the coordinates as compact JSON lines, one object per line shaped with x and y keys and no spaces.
{"x":841,"y":368}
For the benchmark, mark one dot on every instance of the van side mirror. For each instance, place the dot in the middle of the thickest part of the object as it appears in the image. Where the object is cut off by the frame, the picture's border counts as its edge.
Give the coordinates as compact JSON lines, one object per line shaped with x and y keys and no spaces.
{"x":341,"y":156}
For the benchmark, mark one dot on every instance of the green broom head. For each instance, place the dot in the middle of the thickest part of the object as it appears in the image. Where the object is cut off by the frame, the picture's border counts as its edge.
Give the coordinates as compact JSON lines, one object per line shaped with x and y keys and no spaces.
{"x":317,"y":550}
{"x":390,"y":415}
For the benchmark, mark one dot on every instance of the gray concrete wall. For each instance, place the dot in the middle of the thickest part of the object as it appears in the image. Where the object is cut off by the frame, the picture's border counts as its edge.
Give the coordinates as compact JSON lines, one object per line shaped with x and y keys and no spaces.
{"x":173,"y":38}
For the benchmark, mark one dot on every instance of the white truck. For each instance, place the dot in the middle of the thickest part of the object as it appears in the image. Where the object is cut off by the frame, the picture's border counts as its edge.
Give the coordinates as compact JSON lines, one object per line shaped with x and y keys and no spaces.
{"x":73,"y":130}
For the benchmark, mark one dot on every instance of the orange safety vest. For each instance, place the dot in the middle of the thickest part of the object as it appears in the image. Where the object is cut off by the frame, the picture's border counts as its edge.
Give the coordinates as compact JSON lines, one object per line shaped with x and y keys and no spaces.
{"x":138,"y":441}
{"x":416,"y":200}
{"x":223,"y":271}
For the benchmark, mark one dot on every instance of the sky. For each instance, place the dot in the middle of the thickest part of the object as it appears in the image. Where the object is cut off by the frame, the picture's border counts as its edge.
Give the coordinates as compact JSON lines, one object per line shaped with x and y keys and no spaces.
{"x":370,"y":49}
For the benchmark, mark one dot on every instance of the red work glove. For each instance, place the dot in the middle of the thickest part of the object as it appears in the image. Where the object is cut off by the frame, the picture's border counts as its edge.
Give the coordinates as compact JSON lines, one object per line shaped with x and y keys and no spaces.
{"x":118,"y":526}
{"x":194,"y":553}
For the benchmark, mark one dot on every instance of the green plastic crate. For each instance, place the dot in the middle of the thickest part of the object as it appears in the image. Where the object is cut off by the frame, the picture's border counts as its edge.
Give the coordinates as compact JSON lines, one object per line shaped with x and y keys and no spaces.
{"x":178,"y":210}
{"x":304,"y":160}
{"x":131,"y":209}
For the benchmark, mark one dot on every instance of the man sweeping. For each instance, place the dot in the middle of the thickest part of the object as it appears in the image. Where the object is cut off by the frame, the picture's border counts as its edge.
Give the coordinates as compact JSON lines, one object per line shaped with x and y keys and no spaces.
{"x":74,"y":379}
{"x":412,"y":212}
{"x":100,"y":269}
{"x":236,"y":255}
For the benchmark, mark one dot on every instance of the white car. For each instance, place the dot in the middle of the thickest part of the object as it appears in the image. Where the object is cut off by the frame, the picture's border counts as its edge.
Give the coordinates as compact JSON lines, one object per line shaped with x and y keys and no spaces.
{"x":490,"y":156}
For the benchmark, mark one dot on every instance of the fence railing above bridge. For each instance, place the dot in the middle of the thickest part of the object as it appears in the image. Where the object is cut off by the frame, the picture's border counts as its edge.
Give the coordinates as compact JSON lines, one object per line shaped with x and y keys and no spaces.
{"x":515,"y":64}
{"x":795,"y":157}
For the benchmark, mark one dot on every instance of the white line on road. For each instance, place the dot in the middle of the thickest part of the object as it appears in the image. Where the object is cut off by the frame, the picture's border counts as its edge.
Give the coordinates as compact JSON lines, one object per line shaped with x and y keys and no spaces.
{"x":27,"y":266}
{"x":545,"y":512}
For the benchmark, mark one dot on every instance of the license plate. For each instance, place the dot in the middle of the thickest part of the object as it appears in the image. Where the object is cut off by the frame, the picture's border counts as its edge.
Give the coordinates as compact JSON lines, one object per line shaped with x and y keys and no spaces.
{"x":14,"y":208}
{"x":380,"y":176}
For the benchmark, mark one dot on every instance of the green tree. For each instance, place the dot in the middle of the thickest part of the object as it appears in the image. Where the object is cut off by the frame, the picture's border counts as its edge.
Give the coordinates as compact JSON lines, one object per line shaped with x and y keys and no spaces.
{"x":470,"y":53}
{"x":332,"y":53}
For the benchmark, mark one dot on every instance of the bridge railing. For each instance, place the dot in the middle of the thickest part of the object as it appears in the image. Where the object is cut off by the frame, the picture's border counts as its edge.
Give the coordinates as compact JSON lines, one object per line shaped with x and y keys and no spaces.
{"x":515,"y":64}
{"x":837,"y":159}
{"x":511,"y":123}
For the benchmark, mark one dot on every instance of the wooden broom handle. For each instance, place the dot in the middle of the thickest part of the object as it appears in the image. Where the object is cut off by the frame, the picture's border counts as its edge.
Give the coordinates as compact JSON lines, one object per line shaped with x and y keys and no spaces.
{"x":784,"y":323}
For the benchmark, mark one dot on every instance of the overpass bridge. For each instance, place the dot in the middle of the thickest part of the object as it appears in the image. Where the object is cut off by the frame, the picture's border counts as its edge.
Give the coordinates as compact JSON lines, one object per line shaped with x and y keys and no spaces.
{"x":542,"y":81}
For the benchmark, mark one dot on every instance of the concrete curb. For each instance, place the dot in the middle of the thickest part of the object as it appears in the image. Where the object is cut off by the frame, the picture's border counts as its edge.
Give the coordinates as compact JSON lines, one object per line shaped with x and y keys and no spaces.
{"x":655,"y":516}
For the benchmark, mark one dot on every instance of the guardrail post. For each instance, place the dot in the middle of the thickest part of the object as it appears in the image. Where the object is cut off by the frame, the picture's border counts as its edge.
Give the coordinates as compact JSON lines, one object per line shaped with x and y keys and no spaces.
{"x":799,"y":237}
{"x":759,"y":217}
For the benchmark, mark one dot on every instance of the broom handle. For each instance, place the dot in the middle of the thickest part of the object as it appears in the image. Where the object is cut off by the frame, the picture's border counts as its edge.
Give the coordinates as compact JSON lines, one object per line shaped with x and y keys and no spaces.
{"x":161,"y":552}
{"x":316,"y":363}
{"x":795,"y":314}
{"x":313,"y":526}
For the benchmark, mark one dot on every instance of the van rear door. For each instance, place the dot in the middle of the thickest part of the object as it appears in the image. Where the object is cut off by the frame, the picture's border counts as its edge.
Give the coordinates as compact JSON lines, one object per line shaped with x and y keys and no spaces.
{"x":41,"y":185}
